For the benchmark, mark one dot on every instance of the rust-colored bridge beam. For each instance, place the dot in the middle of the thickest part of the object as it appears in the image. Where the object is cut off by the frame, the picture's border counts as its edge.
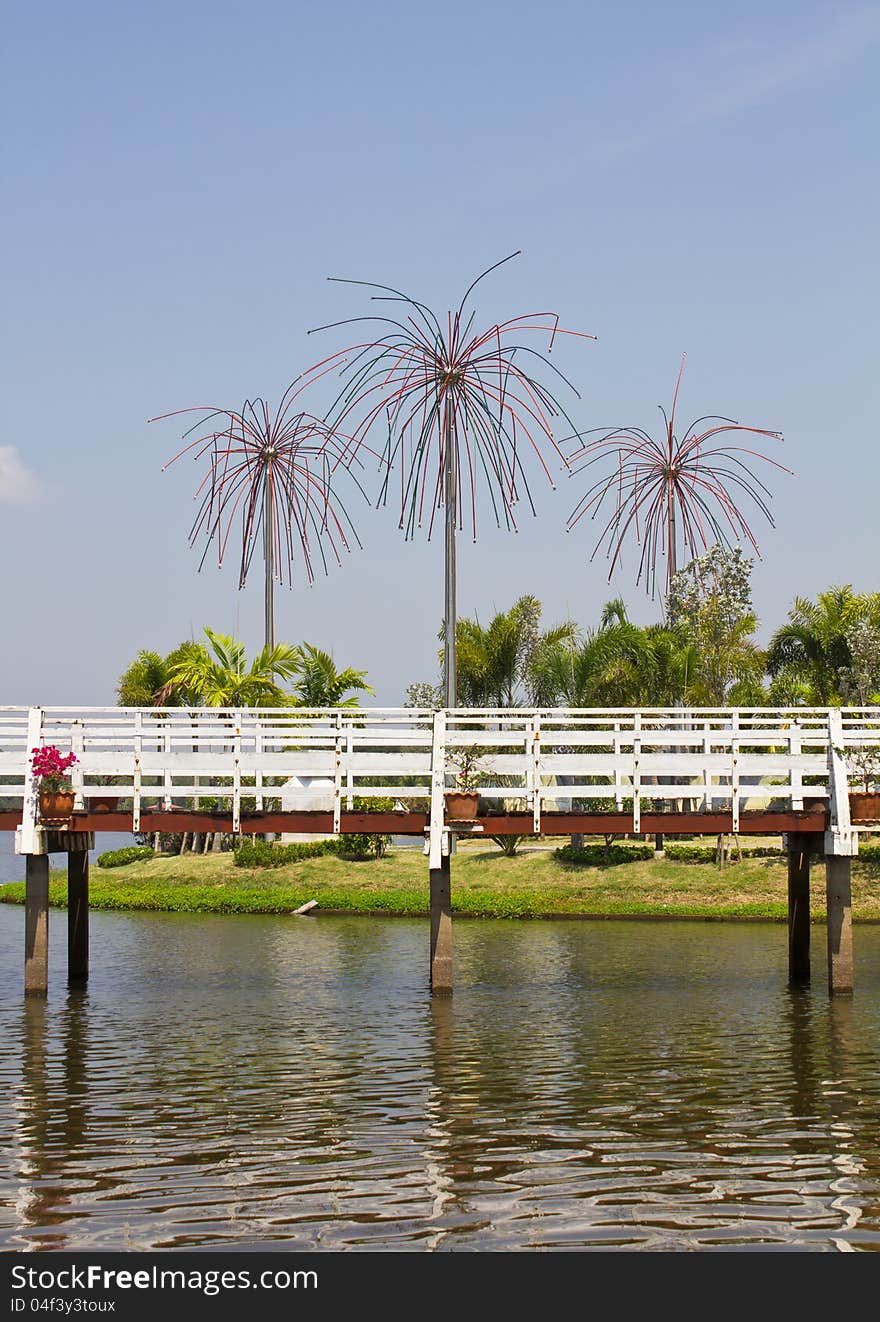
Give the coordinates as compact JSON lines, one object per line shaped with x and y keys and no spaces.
{"x":415,"y":823}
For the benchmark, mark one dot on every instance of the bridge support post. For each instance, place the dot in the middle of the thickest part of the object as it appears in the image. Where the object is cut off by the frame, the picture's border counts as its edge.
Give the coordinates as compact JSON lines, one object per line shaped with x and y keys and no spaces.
{"x":36,"y":925}
{"x":441,"y":928}
{"x":838,"y":899}
{"x":798,"y":906}
{"x":77,"y":915}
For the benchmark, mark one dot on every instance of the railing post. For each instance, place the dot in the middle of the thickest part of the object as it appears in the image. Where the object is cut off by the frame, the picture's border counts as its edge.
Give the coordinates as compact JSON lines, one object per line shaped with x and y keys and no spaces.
{"x":618,"y":784}
{"x":734,"y":770}
{"x":27,"y":834}
{"x":167,"y":783}
{"x":637,"y":775}
{"x":258,"y":759}
{"x":796,"y":778}
{"x":349,"y":775}
{"x":536,"y":775}
{"x":77,"y":745}
{"x":236,"y":773}
{"x":839,"y":838}
{"x":136,"y":778}
{"x":337,"y":776}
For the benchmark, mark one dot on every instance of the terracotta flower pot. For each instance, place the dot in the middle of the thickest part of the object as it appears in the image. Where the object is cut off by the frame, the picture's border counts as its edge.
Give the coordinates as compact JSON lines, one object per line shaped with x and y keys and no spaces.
{"x":461,"y":805}
{"x":103,"y":803}
{"x":864,"y":806}
{"x":56,"y":805}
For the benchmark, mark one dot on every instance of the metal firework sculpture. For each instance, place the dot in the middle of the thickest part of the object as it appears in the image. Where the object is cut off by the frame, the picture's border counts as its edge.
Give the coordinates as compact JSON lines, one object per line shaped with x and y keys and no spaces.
{"x":270,"y":472}
{"x":660,"y":490}
{"x":459,"y":406}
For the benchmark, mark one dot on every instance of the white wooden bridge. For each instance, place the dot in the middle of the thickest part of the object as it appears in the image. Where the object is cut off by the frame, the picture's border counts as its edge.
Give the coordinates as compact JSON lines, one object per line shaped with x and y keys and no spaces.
{"x":549,"y":771}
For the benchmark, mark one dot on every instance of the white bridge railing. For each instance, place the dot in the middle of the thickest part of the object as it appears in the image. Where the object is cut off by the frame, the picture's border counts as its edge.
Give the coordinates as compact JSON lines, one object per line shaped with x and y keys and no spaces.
{"x":530,"y":760}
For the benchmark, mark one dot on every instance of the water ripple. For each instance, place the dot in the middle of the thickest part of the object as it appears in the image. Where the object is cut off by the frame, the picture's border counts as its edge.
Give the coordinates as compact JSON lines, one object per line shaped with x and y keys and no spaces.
{"x":269,"y":1083}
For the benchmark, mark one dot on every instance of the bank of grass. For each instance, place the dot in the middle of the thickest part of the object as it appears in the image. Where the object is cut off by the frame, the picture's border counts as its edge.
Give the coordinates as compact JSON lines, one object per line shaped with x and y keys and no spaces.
{"x":485,"y":884}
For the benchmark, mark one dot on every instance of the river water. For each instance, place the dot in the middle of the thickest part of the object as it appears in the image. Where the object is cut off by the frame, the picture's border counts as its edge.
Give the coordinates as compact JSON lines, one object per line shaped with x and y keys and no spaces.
{"x":288,"y":1083}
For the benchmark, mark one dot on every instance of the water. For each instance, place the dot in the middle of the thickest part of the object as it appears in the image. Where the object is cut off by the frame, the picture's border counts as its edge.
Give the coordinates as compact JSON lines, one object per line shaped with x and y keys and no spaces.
{"x":288,"y":1083}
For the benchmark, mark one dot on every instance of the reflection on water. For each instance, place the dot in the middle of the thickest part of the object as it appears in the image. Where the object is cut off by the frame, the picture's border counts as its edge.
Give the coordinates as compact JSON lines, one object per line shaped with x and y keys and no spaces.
{"x":288,"y":1083}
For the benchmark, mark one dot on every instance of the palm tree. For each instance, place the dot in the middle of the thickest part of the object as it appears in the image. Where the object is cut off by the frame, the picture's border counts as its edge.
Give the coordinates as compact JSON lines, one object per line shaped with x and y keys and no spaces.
{"x":493,"y":660}
{"x":320,"y":684}
{"x":148,"y":683}
{"x":617,"y":665}
{"x":674,"y":664}
{"x":812,"y":649}
{"x":221,"y":677}
{"x":729,"y":664}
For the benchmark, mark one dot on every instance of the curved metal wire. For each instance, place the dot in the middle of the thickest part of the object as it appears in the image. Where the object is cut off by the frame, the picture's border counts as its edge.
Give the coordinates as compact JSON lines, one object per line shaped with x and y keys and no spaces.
{"x":271,"y":473}
{"x":659,"y":488}
{"x":430,"y":382}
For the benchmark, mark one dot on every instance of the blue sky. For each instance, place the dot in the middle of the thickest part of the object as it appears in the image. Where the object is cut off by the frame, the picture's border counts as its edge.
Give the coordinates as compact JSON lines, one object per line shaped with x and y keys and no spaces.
{"x":180,"y":179}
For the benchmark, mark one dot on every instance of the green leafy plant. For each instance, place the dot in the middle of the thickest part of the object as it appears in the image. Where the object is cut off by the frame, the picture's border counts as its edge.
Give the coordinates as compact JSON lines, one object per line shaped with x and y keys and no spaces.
{"x":709,"y":853}
{"x":604,"y":855}
{"x":263,"y":854}
{"x":864,"y":762}
{"x":463,"y":766}
{"x":117,"y":858}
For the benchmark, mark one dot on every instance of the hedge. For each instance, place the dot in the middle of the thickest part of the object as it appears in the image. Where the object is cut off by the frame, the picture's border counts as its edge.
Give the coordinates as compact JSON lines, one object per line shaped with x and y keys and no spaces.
{"x":602,"y":855}
{"x":708,"y":853}
{"x":264,"y":854}
{"x":117,"y":858}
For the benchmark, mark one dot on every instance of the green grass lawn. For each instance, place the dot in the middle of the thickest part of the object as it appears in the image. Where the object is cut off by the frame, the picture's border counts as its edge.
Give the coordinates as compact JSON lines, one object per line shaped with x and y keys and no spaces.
{"x":533,"y":884}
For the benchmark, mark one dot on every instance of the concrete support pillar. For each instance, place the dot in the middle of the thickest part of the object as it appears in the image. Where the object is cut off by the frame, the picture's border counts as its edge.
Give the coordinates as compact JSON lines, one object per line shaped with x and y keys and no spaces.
{"x":77,"y":915}
{"x":838,"y":897}
{"x":798,"y":906}
{"x":441,"y":929}
{"x":36,"y":925}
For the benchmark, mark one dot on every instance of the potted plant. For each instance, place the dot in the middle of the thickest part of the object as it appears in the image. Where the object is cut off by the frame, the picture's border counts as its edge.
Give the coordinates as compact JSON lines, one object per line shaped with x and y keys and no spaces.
{"x":104,"y":802}
{"x":864,"y":762}
{"x":462,"y":801}
{"x":50,"y":767}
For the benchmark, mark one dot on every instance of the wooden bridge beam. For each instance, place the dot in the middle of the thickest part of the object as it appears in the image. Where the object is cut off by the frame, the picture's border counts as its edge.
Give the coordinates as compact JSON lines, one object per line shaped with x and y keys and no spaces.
{"x":77,"y":915}
{"x":36,"y":925}
{"x":798,"y":906}
{"x":441,"y":928}
{"x":838,"y":899}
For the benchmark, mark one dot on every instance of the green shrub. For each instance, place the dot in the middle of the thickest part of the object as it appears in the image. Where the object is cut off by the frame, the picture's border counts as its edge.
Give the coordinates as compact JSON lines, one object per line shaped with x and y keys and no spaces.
{"x":263,"y":854}
{"x":117,"y":858}
{"x":361,"y":848}
{"x":690,"y":853}
{"x":598,"y":856}
{"x":708,"y":853}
